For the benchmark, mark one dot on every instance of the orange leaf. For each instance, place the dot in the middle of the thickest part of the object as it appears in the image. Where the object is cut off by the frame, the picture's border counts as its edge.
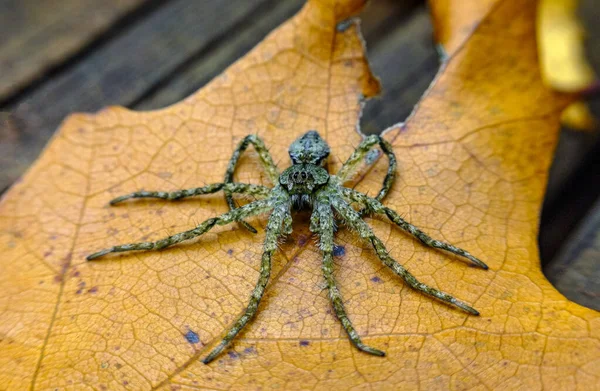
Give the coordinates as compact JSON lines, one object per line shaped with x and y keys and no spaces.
{"x":473,"y":164}
{"x":455,"y":20}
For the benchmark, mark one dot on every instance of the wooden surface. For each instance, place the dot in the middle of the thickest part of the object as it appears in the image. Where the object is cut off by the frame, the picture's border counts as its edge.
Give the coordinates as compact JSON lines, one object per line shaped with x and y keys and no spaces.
{"x":65,"y":56}
{"x":51,"y":35}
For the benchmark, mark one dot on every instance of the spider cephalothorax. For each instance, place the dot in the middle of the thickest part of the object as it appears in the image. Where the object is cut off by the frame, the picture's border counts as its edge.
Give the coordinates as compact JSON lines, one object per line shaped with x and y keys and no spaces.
{"x":305,"y":184}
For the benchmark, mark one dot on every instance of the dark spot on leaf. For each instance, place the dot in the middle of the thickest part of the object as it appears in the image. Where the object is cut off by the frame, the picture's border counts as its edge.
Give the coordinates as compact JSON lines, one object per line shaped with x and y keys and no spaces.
{"x":93,"y":289}
{"x":233,"y":354}
{"x":63,"y":269}
{"x":304,"y":343}
{"x":302,"y":239}
{"x":230,"y":252}
{"x":118,"y":365}
{"x":250,"y":350}
{"x":376,"y":279}
{"x":339,"y":251}
{"x":192,"y":337}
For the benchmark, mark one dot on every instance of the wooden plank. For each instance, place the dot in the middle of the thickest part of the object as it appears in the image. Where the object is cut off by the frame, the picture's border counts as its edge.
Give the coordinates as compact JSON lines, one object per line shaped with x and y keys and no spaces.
{"x":121,"y":71}
{"x":576,"y":270}
{"x":406,"y":62}
{"x":38,"y":35}
{"x":573,"y":193}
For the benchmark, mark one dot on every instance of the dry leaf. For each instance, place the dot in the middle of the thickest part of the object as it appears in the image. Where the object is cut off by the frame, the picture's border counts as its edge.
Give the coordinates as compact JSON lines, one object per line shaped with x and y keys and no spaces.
{"x":473,"y":167}
{"x":454,"y":21}
{"x":563,"y":61}
{"x":562,"y":54}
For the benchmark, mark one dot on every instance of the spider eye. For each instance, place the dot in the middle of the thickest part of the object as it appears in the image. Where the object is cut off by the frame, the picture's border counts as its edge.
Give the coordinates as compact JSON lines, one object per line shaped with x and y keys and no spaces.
{"x":304,"y":176}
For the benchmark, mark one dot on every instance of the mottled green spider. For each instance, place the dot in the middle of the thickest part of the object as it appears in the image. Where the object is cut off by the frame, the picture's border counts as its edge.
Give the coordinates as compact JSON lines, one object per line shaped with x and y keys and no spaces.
{"x":306,"y":184}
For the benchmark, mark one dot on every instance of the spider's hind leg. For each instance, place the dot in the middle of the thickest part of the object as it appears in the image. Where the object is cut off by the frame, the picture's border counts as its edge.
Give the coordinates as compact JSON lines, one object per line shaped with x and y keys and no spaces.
{"x":248,"y":210}
{"x":274,"y":230}
{"x":355,"y":221}
{"x":326,"y":232}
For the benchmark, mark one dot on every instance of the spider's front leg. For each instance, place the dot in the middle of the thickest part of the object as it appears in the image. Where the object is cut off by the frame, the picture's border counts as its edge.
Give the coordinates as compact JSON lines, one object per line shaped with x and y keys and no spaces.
{"x":354,"y":220}
{"x":360,"y":152}
{"x":378,"y":207}
{"x":265,"y":159}
{"x":324,"y":225}
{"x":277,"y":225}
{"x":252,"y":209}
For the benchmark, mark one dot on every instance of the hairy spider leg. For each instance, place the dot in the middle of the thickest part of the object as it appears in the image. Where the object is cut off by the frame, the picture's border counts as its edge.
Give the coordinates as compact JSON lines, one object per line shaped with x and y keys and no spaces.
{"x":266,"y":160}
{"x":354,"y":220}
{"x":325,"y":229}
{"x":241,"y":188}
{"x":275,"y":226}
{"x":377,"y":207}
{"x":360,"y":152}
{"x":251,"y":209}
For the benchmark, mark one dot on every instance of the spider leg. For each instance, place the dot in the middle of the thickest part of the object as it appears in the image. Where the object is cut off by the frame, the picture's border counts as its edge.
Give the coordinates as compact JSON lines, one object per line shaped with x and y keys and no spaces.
{"x":247,"y":210}
{"x":274,"y":230}
{"x":378,"y":207}
{"x":325,"y":218}
{"x":242,"y":188}
{"x":355,"y":221}
{"x":360,"y":152}
{"x":266,"y":160}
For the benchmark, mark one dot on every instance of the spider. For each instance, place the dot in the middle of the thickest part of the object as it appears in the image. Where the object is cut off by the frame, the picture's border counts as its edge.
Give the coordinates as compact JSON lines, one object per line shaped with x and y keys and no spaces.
{"x":306,"y":184}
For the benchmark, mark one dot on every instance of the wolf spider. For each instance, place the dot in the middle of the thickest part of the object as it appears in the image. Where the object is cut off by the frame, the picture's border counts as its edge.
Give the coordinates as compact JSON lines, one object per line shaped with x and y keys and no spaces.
{"x":305,"y":184}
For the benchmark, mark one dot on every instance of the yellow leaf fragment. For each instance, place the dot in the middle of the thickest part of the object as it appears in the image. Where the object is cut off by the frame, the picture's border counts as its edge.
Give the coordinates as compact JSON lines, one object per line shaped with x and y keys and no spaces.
{"x":562,"y":56}
{"x":563,"y":60}
{"x":455,"y":20}
{"x":578,"y":116}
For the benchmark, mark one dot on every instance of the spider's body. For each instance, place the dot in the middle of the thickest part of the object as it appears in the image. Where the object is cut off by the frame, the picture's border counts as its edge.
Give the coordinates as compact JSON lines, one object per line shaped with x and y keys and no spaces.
{"x":305,"y":184}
